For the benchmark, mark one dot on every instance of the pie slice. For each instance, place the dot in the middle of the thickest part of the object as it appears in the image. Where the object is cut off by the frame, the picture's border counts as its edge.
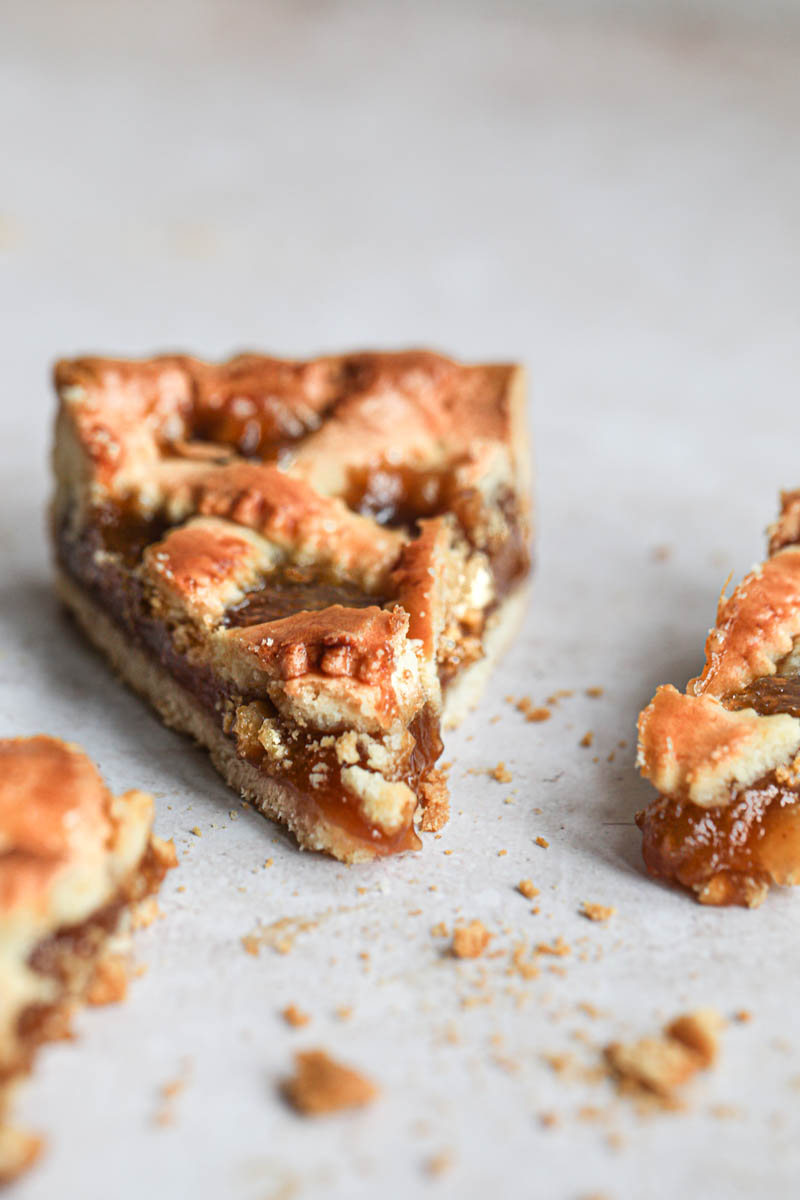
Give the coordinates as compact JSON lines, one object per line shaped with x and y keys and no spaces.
{"x":75,"y":864}
{"x":725,"y":757}
{"x":307,"y":566}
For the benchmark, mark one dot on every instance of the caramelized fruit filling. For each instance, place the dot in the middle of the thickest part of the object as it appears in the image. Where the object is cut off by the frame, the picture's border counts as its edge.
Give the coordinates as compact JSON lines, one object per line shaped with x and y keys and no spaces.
{"x":289,"y":590}
{"x":123,"y":599}
{"x":728,"y":850}
{"x":770,"y":695}
{"x":731,"y":850}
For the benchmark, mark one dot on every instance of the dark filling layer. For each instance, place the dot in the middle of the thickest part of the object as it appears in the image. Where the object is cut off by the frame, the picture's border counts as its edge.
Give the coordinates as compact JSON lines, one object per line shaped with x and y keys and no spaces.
{"x":290,"y":590}
{"x":399,"y":496}
{"x":121,"y":596}
{"x":769,"y":695}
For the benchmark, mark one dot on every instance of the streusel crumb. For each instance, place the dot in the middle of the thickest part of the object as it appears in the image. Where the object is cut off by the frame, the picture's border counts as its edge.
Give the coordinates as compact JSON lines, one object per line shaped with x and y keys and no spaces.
{"x":597,"y":912}
{"x":295,"y":1016}
{"x":525,"y":886}
{"x":470,"y":941}
{"x":321,"y":1085}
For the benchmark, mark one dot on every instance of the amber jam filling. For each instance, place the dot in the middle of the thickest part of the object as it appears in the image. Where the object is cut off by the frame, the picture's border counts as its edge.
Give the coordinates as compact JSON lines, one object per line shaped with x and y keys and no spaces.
{"x":123,"y":537}
{"x":288,"y":590}
{"x":729,"y":851}
{"x":399,"y":496}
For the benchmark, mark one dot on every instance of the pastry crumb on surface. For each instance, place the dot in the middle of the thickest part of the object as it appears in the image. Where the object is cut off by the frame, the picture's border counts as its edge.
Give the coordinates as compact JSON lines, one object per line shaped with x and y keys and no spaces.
{"x":470,"y":941}
{"x":320,"y":1085}
{"x":743,"y":1015}
{"x":587,"y":739}
{"x":532,"y":712}
{"x":594,"y":693}
{"x":435,"y":802}
{"x":543,"y":842}
{"x":561,"y":694}
{"x":558,"y":948}
{"x":660,"y":1065}
{"x":279,"y":935}
{"x":597,"y":912}
{"x":439,"y":929}
{"x":196,"y":830}
{"x":109,"y":983}
{"x":526,"y":888}
{"x":501,"y":773}
{"x":295,"y":1016}
{"x":437,"y":1164}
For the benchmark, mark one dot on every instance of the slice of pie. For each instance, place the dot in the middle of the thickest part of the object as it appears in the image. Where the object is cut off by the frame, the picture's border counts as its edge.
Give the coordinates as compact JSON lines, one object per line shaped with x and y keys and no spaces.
{"x":75,"y":864}
{"x":725,"y":757}
{"x":307,"y":566}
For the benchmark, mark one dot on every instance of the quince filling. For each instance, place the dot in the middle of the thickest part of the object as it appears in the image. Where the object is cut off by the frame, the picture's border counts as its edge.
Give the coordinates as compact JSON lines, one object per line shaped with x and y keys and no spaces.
{"x":730,"y":854}
{"x":371,"y":793}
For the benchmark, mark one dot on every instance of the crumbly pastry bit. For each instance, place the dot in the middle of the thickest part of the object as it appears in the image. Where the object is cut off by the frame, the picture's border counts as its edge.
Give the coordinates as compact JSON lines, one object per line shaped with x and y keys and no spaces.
{"x":526,"y":888}
{"x":307,"y":566}
{"x":295,"y":1016}
{"x":75,"y":864}
{"x":661,"y":1065}
{"x":725,"y":756}
{"x":470,"y":941}
{"x":597,"y":912}
{"x":320,"y":1085}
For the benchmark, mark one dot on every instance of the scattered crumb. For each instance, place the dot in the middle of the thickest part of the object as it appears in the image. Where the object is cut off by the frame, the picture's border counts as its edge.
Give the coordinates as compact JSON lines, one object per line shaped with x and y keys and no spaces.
{"x":661,"y":553}
{"x":595,"y":692}
{"x":543,"y":842}
{"x":268,"y":863}
{"x":439,"y":930}
{"x":109,"y":981}
{"x":168,"y":1094}
{"x":279,"y":935}
{"x":437,"y":1164}
{"x":561,"y":694}
{"x":743,"y":1015}
{"x":501,"y":774}
{"x":344,"y":1012}
{"x":295,"y":1017}
{"x":196,"y":830}
{"x":548,"y":1120}
{"x":500,"y":853}
{"x":321,"y":1085}
{"x":181,"y":888}
{"x":587,"y":739}
{"x":597,"y":912}
{"x":470,"y":941}
{"x":559,"y":948}
{"x":525,"y":886}
{"x":532,"y":712}
{"x":659,"y":1065}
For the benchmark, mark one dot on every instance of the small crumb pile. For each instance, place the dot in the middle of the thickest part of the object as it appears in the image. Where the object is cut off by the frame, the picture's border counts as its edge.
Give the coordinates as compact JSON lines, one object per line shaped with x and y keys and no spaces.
{"x":526,"y":888}
{"x":470,"y":941}
{"x":321,"y":1085}
{"x":658,"y":1066}
{"x":501,"y":774}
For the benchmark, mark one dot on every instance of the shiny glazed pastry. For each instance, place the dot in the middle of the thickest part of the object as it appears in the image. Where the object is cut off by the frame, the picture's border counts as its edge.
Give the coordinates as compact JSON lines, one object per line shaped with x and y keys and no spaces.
{"x":307,"y":566}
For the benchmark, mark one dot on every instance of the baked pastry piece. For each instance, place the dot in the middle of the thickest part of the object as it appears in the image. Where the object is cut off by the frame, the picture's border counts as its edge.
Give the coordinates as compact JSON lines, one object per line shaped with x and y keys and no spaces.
{"x":725,"y":757}
{"x":305,"y":565}
{"x":75,"y":862}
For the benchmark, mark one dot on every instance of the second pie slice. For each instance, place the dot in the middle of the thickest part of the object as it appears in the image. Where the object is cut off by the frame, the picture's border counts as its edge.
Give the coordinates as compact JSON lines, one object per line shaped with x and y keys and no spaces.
{"x":306,"y":566}
{"x":725,"y":756}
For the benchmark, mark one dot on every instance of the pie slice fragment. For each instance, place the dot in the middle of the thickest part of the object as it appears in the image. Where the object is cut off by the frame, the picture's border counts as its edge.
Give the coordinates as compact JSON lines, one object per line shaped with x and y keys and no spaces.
{"x":308,"y":566}
{"x":75,"y":863}
{"x":725,"y":756}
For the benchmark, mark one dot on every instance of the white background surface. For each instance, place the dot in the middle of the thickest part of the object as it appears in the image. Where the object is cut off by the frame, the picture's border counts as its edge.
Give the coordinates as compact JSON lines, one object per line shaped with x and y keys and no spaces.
{"x":613,"y":201}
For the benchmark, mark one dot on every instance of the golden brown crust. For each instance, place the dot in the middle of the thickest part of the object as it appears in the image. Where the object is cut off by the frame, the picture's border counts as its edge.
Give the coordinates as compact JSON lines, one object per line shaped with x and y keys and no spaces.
{"x":293,"y":617}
